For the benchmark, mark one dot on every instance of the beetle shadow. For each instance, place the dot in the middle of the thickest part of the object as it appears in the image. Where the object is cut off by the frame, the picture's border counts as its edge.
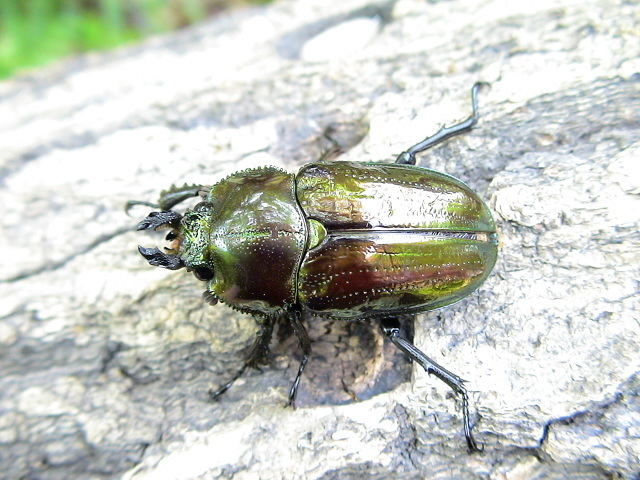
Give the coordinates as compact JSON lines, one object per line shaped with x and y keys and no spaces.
{"x":349,"y":362}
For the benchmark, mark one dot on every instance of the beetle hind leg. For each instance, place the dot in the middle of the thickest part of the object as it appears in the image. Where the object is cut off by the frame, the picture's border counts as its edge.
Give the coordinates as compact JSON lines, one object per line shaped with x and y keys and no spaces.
{"x":294,"y":317}
{"x":391,"y":329}
{"x":409,"y":156}
{"x":256,"y":357}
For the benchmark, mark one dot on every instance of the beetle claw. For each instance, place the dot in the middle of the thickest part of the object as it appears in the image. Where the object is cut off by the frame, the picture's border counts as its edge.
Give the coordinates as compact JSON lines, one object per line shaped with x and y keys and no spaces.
{"x":156,"y":220}
{"x":158,"y":258}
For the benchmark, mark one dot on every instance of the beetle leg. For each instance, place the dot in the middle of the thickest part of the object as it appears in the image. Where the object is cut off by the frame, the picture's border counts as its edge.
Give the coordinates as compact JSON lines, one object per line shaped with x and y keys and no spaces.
{"x":214,"y":394}
{"x":170,"y":198}
{"x":391,"y":329}
{"x":294,"y":317}
{"x":257,"y":356}
{"x":409,"y":157}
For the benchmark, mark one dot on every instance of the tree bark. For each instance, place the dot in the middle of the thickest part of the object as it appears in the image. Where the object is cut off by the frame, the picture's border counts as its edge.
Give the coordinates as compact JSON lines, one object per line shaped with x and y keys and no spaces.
{"x":106,"y":362}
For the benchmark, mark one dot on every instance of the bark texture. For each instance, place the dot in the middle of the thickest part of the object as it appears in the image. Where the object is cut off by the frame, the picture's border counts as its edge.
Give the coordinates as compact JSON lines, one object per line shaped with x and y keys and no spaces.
{"x":105,"y":362}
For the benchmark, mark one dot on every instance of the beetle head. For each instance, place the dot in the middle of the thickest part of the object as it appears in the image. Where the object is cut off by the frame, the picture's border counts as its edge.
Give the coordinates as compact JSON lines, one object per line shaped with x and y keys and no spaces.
{"x":188,"y":237}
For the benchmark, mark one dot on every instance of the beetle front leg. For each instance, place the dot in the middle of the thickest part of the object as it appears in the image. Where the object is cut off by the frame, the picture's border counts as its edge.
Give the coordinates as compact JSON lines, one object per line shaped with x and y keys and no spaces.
{"x":257,"y":356}
{"x":172,"y":197}
{"x":409,"y":157}
{"x":294,"y":316}
{"x":391,"y":329}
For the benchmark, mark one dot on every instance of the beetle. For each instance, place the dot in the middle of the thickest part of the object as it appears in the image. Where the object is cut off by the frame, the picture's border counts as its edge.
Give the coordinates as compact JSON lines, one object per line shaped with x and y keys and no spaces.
{"x":344,"y":240}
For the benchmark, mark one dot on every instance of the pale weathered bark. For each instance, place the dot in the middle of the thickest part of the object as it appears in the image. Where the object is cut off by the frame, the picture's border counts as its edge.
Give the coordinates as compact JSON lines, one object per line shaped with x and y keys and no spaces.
{"x":105,"y":362}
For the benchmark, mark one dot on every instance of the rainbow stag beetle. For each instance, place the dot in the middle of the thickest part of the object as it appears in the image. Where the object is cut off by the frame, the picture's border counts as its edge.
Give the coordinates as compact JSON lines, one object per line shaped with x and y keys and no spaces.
{"x":345,"y":240}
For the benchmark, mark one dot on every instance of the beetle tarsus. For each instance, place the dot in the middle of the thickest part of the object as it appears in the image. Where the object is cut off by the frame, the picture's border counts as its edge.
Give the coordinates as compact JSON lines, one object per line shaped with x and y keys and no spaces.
{"x":391,"y":329}
{"x":294,"y":317}
{"x":409,"y":156}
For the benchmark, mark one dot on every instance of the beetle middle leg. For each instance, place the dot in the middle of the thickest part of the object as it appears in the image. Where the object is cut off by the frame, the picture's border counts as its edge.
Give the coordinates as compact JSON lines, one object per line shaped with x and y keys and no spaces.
{"x":409,"y":156}
{"x":256,"y":357}
{"x":391,"y":329}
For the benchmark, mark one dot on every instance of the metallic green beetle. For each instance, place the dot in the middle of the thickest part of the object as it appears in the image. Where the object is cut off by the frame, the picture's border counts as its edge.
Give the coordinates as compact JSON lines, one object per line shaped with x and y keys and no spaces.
{"x":345,"y":240}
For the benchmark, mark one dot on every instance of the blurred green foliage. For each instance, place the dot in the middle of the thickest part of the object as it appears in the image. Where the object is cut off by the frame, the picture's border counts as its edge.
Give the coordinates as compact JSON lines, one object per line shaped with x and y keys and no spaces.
{"x":36,"y":32}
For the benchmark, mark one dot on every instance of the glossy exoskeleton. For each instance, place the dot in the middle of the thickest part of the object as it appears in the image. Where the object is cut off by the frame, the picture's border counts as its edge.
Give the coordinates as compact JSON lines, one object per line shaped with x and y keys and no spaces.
{"x":345,"y":240}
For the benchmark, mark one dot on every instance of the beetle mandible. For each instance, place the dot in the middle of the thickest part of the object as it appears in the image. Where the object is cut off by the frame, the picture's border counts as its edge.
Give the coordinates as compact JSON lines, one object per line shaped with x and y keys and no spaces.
{"x":345,"y":240}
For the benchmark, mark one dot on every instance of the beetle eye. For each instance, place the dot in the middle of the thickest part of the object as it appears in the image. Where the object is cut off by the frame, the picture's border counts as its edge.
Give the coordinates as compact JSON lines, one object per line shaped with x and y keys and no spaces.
{"x":171,"y":236}
{"x":203,"y":273}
